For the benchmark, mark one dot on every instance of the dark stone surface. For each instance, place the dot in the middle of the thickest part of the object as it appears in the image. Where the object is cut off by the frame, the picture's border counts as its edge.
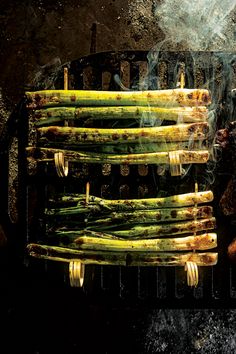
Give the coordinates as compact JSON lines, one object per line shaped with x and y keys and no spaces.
{"x":53,"y":320}
{"x":45,"y":34}
{"x":41,"y":35}
{"x":191,"y":331}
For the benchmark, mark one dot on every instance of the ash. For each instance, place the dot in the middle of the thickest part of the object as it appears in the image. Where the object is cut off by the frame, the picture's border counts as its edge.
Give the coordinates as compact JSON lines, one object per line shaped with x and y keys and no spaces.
{"x":191,"y":331}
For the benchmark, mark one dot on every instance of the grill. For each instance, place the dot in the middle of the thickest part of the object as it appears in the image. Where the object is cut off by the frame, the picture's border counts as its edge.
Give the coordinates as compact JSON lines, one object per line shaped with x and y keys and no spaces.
{"x":109,"y":71}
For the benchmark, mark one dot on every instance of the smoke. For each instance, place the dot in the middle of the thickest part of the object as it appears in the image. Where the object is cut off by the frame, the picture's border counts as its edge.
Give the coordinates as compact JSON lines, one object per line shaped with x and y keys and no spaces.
{"x":195,"y":26}
{"x":198,"y":24}
{"x":46,"y":75}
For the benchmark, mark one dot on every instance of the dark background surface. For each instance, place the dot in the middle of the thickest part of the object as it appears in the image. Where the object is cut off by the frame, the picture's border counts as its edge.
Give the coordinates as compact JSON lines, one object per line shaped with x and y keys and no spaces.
{"x":40,"y":317}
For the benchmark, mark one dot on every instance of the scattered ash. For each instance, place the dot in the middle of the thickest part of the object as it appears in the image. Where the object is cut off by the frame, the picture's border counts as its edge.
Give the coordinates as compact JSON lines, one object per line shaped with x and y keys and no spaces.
{"x":4,"y":112}
{"x":144,"y":24}
{"x":13,"y":163}
{"x":13,"y":181}
{"x":191,"y":331}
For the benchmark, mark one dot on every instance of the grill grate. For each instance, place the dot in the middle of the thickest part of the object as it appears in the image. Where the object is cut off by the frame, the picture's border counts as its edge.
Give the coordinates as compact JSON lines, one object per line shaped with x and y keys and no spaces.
{"x":112,"y":71}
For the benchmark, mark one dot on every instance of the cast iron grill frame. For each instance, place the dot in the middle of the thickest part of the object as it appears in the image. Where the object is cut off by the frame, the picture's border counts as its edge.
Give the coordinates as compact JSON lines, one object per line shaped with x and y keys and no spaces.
{"x":163,"y":286}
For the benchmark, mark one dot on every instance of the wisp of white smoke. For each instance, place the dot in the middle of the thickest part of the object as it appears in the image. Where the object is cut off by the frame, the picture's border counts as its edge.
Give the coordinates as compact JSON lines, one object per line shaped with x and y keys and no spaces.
{"x":198,"y":24}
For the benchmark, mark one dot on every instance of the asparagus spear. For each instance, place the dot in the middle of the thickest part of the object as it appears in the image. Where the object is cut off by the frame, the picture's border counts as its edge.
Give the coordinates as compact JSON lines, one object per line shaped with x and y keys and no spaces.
{"x":144,"y":148}
{"x":121,"y":258}
{"x":53,"y":115}
{"x":146,"y":231}
{"x":179,"y":200}
{"x":67,"y":136}
{"x":135,"y":148}
{"x":49,"y":116}
{"x":200,"y":242}
{"x":161,"y":98}
{"x":166,"y":229}
{"x":150,"y":216}
{"x":186,"y":157}
{"x":141,"y":217}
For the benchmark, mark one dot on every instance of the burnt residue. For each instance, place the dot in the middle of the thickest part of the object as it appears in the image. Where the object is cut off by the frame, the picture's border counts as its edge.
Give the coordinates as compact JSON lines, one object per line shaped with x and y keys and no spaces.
{"x":115,"y":137}
{"x":205,"y":98}
{"x":206,"y":258}
{"x":84,"y":136}
{"x":173,"y":214}
{"x":192,"y":129}
{"x":50,"y":135}
{"x":190,"y":96}
{"x":204,"y":211}
{"x":79,"y":241}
